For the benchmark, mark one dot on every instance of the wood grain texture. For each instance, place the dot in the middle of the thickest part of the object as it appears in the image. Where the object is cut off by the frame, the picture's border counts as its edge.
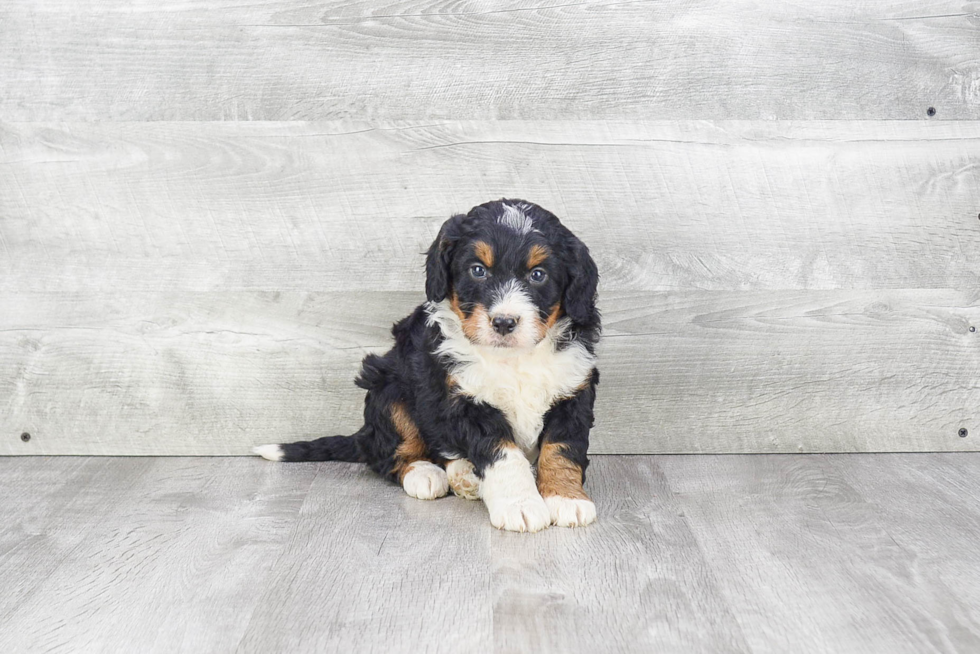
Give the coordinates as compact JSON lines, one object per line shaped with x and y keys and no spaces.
{"x":370,"y":569}
{"x":352,"y":206}
{"x":808,"y":563}
{"x":709,"y":371}
{"x":938,"y":518}
{"x":761,"y":554}
{"x":557,"y":592}
{"x":174,"y":565}
{"x":517,"y":59}
{"x":49,"y":509}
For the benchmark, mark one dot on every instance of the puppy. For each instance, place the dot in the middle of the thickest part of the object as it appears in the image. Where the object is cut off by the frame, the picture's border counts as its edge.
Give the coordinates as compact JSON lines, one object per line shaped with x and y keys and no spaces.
{"x":494,"y":372}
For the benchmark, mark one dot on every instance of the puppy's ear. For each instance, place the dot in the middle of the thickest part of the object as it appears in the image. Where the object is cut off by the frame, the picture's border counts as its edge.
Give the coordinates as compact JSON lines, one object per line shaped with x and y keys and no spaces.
{"x":580,"y":293}
{"x":438,"y":278}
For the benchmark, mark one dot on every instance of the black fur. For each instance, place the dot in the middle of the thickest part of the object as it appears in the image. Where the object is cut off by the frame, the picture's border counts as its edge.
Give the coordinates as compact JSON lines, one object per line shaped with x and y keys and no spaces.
{"x":412,"y":375}
{"x":328,"y":448}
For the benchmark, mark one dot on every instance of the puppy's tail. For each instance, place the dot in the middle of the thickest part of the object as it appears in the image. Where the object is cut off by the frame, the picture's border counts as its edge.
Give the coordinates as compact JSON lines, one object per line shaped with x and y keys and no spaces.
{"x":328,"y":448}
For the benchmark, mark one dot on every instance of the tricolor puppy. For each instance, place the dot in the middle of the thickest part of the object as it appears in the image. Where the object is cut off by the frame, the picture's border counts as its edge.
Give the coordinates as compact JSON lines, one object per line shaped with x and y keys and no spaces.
{"x":494,"y":373}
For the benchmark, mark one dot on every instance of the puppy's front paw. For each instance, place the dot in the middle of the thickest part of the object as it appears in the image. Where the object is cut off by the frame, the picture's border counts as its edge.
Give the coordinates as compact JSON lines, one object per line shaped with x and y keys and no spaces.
{"x":524,"y":514}
{"x":425,"y":481}
{"x":462,"y":479}
{"x":568,"y":512}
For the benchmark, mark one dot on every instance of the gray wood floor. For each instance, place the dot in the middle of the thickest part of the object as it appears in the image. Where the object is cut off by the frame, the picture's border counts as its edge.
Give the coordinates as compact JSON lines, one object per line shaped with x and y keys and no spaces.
{"x":765,"y":553}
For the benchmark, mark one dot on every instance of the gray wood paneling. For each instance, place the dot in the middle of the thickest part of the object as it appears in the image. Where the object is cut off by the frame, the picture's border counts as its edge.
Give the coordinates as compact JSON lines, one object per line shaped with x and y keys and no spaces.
{"x":187,"y":288}
{"x":196,"y":287}
{"x":518,"y":59}
{"x":762,"y":554}
{"x":345,"y":206}
{"x":706,"y":371}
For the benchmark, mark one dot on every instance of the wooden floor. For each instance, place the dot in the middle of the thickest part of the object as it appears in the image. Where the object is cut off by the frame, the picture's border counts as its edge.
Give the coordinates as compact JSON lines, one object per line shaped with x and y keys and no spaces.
{"x":766,"y":553}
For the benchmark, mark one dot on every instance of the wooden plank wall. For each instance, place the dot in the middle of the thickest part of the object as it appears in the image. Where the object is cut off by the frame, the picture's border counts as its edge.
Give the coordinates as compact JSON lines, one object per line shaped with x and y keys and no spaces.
{"x":209,"y":212}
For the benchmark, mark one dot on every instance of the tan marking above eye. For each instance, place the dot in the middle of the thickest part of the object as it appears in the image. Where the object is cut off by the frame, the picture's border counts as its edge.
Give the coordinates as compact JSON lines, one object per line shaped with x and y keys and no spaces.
{"x":536,"y":255}
{"x":484,"y":253}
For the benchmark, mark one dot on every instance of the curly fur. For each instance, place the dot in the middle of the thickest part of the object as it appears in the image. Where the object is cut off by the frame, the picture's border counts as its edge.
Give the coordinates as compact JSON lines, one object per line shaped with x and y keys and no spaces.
{"x":498,"y":362}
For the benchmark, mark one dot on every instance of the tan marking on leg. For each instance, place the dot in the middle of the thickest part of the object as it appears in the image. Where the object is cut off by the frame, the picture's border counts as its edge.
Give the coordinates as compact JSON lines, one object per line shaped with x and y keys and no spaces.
{"x":484,"y":253}
{"x":412,"y":448}
{"x":536,"y":255}
{"x":559,"y":475}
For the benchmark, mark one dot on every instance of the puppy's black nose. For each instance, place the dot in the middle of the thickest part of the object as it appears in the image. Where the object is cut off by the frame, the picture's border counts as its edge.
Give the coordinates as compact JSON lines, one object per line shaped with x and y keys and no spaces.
{"x":504,"y":325}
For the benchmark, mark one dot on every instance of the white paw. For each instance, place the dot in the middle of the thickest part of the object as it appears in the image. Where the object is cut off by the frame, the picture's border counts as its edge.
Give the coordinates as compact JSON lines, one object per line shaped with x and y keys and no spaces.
{"x":524,"y":514}
{"x":462,"y":479}
{"x":511,"y":496}
{"x":270,"y":452}
{"x":566,"y":512}
{"x":425,"y":481}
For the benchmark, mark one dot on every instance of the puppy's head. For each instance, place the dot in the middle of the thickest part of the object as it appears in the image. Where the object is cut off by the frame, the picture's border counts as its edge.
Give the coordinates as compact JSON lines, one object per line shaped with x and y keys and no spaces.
{"x":510,"y":271}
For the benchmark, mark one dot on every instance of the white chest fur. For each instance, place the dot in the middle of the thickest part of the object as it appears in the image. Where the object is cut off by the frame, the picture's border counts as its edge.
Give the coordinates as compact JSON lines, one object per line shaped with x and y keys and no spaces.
{"x":523,"y":384}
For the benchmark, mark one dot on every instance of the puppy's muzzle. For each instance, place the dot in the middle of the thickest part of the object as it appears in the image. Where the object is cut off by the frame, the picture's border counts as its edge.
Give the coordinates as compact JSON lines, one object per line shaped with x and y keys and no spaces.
{"x":504,"y":325}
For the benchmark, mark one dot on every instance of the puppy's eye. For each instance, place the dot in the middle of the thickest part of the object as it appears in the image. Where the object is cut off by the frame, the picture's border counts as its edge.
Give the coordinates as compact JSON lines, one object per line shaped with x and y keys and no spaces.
{"x":478,"y":271}
{"x":538,"y":275}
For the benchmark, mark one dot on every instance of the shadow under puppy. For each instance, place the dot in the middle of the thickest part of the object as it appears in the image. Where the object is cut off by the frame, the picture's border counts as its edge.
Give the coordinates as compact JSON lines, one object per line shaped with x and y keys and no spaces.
{"x":495,"y":371}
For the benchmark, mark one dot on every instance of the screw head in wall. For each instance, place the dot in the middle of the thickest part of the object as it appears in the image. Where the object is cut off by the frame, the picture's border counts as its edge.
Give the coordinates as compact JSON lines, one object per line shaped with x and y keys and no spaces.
{"x":963,"y":432}
{"x":931,"y":111}
{"x":25,"y":437}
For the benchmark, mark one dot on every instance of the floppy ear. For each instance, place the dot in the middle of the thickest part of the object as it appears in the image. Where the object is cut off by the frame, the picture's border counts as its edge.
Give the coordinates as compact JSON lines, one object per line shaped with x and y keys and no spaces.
{"x":580,"y":293}
{"x":437,"y":261}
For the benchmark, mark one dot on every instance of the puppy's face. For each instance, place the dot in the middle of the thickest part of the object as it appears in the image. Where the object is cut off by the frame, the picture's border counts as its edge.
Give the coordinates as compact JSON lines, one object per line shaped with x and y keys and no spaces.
{"x":507,"y":269}
{"x":506,"y":286}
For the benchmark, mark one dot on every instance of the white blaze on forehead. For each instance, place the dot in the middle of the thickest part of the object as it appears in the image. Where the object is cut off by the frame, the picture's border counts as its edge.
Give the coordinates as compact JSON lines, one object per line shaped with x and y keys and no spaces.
{"x":516,"y":220}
